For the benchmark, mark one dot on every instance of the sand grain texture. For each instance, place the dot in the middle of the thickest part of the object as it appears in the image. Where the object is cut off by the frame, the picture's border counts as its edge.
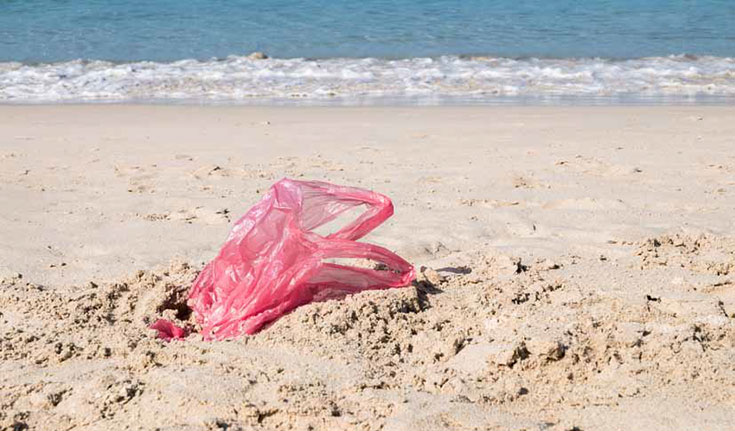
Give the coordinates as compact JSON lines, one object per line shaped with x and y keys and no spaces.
{"x":576,"y":264}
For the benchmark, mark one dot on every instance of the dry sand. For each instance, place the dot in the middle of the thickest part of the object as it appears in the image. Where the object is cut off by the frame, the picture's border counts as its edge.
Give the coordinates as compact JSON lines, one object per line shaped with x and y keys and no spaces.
{"x":578,"y":269}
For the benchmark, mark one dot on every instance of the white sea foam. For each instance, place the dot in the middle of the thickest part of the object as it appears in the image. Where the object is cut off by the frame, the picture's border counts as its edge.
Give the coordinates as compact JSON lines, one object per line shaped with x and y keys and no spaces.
{"x":241,"y":79}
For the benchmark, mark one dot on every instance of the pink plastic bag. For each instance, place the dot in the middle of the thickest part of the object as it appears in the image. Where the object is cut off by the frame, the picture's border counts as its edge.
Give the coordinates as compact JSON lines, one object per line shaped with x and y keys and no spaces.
{"x":273,"y":261}
{"x":167,"y":331}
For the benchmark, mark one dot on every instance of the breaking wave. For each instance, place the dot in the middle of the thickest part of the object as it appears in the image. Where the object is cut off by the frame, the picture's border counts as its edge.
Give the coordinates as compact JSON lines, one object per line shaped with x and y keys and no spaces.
{"x":238,"y":79}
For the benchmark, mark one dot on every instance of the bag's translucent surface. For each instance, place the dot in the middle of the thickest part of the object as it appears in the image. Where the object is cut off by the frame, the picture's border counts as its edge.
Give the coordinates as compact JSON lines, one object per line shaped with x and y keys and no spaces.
{"x":167,"y":331}
{"x":273,"y":261}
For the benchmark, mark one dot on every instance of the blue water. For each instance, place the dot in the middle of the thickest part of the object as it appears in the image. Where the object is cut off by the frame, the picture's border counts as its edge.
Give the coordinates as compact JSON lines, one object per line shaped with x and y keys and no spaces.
{"x":166,"y":30}
{"x":403,"y":51}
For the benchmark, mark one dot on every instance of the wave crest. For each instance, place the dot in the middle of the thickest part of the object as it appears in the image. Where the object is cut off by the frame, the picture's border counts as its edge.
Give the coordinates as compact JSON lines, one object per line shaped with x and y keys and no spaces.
{"x":243,"y":78}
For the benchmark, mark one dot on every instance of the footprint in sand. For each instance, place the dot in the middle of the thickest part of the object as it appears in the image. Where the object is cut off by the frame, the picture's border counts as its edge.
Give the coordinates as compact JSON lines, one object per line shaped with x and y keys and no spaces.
{"x":141,"y":184}
{"x":210,"y":171}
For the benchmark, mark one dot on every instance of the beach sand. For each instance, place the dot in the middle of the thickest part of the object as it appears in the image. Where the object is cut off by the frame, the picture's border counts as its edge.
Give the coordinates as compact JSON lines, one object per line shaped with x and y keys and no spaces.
{"x":577,"y":269}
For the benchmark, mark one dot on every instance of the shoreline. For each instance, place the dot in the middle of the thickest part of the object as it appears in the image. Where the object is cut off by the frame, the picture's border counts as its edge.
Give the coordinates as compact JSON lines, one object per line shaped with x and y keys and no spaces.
{"x":414,"y":80}
{"x":337,"y":103}
{"x":628,"y":101}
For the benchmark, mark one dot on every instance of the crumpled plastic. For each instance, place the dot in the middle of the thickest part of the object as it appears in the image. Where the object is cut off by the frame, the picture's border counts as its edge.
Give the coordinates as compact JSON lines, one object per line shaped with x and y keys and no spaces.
{"x":273,"y":261}
{"x":168,"y":330}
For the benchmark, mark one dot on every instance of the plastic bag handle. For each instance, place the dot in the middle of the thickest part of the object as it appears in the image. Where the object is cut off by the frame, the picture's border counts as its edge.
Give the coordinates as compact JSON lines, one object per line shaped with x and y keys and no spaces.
{"x":339,"y":248}
{"x":379,"y":208}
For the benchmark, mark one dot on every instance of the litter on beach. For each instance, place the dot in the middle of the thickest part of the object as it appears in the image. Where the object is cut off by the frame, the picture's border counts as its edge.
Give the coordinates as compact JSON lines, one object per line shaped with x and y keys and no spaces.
{"x":273,"y":260}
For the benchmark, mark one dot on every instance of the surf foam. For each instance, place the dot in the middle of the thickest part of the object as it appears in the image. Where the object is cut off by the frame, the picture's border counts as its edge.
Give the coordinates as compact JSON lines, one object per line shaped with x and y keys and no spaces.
{"x":423,"y":80}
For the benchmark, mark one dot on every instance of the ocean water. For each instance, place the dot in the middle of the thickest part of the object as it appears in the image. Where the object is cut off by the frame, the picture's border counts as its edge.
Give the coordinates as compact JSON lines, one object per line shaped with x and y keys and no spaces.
{"x":412,"y":51}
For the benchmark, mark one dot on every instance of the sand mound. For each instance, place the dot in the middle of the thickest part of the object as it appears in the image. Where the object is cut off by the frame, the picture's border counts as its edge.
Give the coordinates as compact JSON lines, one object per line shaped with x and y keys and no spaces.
{"x":701,"y":253}
{"x":492,"y":341}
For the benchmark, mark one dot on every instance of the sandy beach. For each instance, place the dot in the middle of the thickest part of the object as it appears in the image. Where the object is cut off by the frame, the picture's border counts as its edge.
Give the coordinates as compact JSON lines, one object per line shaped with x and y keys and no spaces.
{"x":577,"y":268}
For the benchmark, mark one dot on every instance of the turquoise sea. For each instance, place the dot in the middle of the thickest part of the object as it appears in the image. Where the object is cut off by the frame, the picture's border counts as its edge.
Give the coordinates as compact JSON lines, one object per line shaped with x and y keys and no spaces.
{"x":422,"y":51}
